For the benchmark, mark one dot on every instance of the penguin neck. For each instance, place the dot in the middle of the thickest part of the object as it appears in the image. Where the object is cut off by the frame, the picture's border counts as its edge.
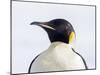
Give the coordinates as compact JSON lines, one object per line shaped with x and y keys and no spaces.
{"x":61,"y":48}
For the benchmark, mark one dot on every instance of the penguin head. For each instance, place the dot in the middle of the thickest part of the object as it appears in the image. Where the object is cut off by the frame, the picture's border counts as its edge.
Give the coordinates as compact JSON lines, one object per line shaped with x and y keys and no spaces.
{"x":59,"y":30}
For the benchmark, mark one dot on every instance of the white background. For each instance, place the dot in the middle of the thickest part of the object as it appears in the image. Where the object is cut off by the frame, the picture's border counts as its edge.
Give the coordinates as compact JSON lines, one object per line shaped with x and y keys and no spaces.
{"x":5,"y":31}
{"x":28,"y":41}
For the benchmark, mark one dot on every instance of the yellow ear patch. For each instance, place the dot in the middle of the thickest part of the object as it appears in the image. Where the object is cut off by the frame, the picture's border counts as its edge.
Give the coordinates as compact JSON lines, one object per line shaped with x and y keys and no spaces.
{"x":71,"y":37}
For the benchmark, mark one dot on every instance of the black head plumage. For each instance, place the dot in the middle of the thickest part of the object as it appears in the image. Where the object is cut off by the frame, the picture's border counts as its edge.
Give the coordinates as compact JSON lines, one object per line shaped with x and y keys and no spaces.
{"x":57,"y":29}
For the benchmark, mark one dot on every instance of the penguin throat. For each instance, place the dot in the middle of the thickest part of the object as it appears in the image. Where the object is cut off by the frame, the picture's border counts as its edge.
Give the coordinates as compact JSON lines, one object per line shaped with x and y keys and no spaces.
{"x":55,"y":36}
{"x":58,"y":44}
{"x":61,"y":47}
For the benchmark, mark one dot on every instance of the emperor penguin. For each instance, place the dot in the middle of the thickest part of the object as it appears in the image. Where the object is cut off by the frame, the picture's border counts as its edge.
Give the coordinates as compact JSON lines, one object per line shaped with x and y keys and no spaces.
{"x":60,"y":55}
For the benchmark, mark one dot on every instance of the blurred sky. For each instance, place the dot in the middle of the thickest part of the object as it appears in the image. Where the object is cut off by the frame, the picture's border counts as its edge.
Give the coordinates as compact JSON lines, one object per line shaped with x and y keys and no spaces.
{"x":28,"y":41}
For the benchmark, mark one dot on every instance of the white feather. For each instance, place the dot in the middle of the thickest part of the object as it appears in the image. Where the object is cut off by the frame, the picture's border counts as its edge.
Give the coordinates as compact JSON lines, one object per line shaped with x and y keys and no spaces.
{"x":59,"y":56}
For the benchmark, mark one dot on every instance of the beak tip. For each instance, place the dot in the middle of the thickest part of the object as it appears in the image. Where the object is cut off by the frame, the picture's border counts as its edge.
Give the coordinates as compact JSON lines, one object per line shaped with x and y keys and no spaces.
{"x":33,"y":23}
{"x":30,"y":23}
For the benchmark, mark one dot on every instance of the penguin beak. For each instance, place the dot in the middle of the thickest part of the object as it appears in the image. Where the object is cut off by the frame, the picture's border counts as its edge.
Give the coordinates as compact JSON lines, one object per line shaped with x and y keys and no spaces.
{"x":42,"y":24}
{"x":36,"y":23}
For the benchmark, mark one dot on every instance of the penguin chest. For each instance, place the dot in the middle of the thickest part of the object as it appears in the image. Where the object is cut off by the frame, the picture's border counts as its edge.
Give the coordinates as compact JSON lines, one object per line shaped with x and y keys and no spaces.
{"x":55,"y":62}
{"x":67,"y":58}
{"x":57,"y":58}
